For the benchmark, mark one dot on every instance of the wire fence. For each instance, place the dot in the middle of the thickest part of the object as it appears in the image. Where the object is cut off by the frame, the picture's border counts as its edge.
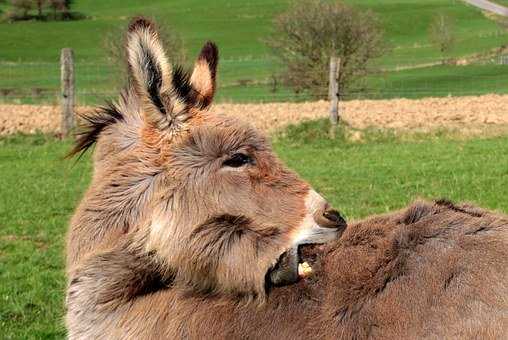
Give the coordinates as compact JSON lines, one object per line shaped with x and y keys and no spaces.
{"x":39,"y":83}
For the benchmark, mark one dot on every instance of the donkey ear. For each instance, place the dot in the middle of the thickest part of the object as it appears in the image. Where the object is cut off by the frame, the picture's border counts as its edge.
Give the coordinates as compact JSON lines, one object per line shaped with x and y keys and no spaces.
{"x":203,"y":75}
{"x":149,"y":69}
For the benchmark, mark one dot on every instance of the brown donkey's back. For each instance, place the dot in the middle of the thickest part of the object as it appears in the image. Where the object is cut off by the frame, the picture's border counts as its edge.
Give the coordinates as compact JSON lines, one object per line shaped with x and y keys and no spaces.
{"x":432,"y":270}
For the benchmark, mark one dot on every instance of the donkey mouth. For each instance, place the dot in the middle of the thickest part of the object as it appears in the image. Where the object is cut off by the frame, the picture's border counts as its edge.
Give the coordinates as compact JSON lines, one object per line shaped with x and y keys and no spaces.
{"x":299,"y":261}
{"x":296,"y":264}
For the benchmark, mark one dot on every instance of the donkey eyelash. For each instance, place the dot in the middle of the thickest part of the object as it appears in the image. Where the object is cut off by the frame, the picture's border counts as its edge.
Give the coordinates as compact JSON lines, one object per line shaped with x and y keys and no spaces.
{"x":238,"y":160}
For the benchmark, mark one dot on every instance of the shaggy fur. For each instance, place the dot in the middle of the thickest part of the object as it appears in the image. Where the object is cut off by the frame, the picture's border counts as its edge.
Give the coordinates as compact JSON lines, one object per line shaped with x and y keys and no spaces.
{"x":201,"y":196}
{"x":432,"y":270}
{"x":189,"y":212}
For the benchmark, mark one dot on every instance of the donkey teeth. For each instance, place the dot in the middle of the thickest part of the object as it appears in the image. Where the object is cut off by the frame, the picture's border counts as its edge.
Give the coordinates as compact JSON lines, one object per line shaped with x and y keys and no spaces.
{"x":304,"y":270}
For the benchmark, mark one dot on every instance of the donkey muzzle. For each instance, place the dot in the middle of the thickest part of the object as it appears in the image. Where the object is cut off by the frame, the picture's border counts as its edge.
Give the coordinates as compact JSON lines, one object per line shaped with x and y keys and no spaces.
{"x":334,"y":217}
{"x":321,"y":223}
{"x":329,"y":226}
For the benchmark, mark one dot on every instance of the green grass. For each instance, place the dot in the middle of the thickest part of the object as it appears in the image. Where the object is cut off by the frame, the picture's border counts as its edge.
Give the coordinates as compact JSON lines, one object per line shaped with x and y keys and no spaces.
{"x":501,"y":2}
{"x":387,"y":171}
{"x":40,"y":191}
{"x":383,"y":173}
{"x":406,"y":25}
{"x":237,"y":26}
{"x":439,"y":81}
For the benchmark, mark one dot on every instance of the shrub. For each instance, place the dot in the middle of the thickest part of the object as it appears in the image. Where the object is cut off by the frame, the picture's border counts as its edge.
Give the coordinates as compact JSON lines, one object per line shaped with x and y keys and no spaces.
{"x":45,"y":10}
{"x":311,"y":31}
{"x":20,"y":9}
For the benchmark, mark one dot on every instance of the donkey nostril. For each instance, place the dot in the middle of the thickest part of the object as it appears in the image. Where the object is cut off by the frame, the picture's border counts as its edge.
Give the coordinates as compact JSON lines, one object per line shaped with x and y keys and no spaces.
{"x":334,"y":216}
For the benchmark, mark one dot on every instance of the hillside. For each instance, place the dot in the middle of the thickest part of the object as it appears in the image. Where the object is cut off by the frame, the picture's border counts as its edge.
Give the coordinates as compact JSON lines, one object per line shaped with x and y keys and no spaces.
{"x":239,"y":28}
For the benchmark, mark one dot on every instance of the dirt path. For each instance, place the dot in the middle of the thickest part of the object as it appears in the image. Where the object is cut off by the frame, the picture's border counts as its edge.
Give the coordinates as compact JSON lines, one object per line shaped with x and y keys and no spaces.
{"x":471,"y":115}
{"x":489,"y":6}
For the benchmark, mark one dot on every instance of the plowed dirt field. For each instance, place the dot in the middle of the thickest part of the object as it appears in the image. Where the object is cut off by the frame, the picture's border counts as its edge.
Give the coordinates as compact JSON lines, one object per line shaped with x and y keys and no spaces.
{"x":471,"y":115}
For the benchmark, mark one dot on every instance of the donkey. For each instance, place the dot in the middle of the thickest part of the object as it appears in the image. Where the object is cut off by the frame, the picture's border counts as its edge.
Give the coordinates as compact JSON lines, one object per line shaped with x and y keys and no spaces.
{"x":189,"y":217}
{"x":202,"y":196}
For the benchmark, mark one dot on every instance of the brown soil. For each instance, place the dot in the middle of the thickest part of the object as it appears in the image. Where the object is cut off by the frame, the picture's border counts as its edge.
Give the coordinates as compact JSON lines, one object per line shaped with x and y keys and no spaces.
{"x":469,"y":115}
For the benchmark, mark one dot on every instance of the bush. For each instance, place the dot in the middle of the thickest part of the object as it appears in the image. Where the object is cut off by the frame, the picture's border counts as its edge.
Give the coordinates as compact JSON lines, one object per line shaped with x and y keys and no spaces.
{"x":20,"y":10}
{"x":311,"y":31}
{"x":41,"y":10}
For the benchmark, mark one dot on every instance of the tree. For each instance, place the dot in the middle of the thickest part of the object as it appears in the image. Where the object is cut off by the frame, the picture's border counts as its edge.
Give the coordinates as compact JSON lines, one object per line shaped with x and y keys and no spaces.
{"x":39,"y":4}
{"x":61,"y":8}
{"x":66,"y":8}
{"x":311,"y":31}
{"x":442,"y":34}
{"x":21,"y":10}
{"x":56,"y":6}
{"x":22,"y":6}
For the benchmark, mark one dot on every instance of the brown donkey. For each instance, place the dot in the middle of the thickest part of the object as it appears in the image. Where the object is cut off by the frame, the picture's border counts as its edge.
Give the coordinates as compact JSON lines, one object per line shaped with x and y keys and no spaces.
{"x":202,"y":196}
{"x":188,"y":213}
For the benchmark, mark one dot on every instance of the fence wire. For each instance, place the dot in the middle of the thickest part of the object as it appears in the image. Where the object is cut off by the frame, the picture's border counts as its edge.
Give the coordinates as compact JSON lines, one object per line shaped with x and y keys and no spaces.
{"x":39,"y":83}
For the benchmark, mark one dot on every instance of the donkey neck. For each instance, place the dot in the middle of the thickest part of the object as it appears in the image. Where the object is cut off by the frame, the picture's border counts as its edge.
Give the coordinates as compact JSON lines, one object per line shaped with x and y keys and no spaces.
{"x":117,"y":201}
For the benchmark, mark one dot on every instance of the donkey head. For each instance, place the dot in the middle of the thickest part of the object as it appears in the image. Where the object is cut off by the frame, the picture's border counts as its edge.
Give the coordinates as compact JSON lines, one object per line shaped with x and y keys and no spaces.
{"x":204,"y":193}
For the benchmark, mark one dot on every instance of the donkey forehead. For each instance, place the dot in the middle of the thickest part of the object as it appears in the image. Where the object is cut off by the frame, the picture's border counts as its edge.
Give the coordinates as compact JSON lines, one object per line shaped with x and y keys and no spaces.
{"x":221,"y":136}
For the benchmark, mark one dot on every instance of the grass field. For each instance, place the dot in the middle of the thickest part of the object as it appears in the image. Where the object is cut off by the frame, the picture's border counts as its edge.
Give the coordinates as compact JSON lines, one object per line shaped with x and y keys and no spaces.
{"x":239,"y":28}
{"x":384,"y":173}
{"x":438,"y":81}
{"x":501,"y":2}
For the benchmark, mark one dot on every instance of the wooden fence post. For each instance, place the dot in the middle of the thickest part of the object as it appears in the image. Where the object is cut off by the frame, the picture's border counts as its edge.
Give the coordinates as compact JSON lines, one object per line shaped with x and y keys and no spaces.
{"x":333,"y":92}
{"x":67,"y":83}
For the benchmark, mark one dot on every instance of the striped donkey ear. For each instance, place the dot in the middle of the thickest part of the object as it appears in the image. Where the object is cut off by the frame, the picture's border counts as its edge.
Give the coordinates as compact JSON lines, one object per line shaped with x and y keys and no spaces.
{"x":203,"y":75}
{"x":169,"y":97}
{"x":150,"y":71}
{"x":197,"y":90}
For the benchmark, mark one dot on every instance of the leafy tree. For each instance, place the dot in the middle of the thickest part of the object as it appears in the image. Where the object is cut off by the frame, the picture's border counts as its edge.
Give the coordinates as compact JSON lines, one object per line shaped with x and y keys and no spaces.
{"x":57,"y":6}
{"x":66,"y":8}
{"x":22,"y":7}
{"x":311,"y":31}
{"x":39,"y":4}
{"x":21,"y":10}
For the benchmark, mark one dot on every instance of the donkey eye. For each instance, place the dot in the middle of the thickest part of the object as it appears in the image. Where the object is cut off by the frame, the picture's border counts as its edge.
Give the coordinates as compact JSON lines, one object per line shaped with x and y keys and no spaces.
{"x":237,"y":160}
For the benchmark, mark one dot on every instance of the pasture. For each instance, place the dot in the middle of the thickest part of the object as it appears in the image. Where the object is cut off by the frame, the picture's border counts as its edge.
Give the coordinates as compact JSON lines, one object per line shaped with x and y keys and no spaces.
{"x":382,"y":173}
{"x":501,"y":2}
{"x":30,"y":50}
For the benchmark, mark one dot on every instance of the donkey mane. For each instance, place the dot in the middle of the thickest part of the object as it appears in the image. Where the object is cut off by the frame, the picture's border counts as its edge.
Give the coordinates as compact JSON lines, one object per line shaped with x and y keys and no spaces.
{"x":92,"y":124}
